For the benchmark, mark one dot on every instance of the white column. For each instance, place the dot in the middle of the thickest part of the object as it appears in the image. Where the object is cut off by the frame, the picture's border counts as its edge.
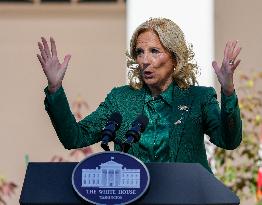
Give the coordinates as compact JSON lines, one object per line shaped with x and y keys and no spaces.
{"x":195,"y":18}
{"x":100,"y":177}
{"x":114,"y":177}
{"x":107,"y":176}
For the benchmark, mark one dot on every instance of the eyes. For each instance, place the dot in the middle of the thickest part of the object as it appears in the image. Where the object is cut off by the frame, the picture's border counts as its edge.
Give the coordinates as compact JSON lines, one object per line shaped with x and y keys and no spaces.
{"x":140,"y":51}
{"x":154,"y":50}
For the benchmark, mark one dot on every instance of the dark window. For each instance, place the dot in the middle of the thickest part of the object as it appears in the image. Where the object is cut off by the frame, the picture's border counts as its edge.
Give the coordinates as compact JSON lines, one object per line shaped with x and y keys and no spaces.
{"x":55,"y":1}
{"x":16,"y":1}
{"x":104,"y":1}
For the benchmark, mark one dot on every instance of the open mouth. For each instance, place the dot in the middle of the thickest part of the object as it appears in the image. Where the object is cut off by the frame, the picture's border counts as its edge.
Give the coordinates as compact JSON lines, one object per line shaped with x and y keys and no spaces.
{"x":148,"y":74}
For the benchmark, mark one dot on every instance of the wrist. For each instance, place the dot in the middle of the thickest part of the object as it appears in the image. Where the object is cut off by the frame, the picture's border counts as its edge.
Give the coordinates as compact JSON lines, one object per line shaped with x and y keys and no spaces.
{"x":53,"y":88}
{"x":228,"y":91}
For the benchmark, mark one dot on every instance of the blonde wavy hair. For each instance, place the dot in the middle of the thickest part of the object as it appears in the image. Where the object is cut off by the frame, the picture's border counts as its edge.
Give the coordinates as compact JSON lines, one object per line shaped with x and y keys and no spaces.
{"x":173,"y":40}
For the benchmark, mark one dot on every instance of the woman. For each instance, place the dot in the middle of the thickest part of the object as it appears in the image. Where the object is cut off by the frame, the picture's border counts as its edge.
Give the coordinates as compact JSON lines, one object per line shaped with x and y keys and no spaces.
{"x":162,"y":87}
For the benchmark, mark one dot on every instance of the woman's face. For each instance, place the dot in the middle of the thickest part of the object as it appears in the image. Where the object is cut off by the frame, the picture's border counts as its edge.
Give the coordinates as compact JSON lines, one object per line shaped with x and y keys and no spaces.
{"x":154,"y":60}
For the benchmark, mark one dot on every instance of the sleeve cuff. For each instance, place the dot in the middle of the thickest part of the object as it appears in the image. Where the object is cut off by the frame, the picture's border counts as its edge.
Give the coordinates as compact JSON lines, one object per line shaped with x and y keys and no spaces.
{"x":229,"y":102}
{"x":51,"y":97}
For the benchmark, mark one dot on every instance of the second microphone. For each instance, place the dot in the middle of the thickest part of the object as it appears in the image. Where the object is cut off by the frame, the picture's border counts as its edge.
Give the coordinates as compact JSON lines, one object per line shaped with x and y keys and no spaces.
{"x":133,"y":135}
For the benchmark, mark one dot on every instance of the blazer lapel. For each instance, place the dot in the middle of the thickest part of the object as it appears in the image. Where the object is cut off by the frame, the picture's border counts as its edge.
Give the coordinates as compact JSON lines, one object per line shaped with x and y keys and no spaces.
{"x":137,"y":103}
{"x":131,"y":107}
{"x":181,"y":107}
{"x":135,"y":108}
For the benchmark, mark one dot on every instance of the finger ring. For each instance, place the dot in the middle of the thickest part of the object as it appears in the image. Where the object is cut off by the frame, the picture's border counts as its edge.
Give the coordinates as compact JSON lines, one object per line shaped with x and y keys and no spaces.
{"x":231,"y":62}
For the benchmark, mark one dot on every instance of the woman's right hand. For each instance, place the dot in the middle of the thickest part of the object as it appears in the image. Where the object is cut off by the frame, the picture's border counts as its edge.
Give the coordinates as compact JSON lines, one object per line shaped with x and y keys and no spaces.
{"x":53,"y":69}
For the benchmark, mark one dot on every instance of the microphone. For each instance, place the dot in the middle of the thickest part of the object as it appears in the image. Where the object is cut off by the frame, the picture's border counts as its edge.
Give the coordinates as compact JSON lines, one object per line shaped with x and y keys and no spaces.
{"x":108,"y":133}
{"x":133,"y":135}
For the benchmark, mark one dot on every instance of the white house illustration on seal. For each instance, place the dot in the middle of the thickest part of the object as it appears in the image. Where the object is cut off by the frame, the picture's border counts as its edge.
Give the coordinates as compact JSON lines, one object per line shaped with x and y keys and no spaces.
{"x":111,"y":175}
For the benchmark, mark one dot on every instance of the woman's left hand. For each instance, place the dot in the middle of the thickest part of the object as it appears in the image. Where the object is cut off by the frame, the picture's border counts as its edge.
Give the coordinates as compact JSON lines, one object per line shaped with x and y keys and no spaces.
{"x":226,"y":70}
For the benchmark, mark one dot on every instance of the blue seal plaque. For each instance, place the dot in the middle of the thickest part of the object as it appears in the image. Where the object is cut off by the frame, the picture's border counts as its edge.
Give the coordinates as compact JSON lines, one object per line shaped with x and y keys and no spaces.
{"x":110,"y":178}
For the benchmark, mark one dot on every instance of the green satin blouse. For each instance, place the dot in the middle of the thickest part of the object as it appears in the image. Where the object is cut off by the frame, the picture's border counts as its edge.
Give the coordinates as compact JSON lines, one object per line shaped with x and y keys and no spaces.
{"x":154,"y":140}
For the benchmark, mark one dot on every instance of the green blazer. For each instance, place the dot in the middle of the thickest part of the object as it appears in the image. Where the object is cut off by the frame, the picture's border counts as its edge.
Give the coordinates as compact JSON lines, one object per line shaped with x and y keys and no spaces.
{"x":195,"y":112}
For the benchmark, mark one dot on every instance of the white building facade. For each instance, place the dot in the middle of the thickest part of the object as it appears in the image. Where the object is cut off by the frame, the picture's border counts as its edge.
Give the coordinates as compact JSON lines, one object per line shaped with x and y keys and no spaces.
{"x":111,"y":175}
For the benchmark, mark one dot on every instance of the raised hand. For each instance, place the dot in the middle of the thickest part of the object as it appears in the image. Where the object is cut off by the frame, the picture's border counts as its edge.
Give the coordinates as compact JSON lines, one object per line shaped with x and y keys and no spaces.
{"x":226,"y":70}
{"x":53,"y":69}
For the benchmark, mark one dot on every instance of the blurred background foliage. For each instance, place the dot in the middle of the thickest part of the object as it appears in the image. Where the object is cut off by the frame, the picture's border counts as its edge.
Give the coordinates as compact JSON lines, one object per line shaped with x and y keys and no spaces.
{"x":238,"y":169}
{"x":7,"y":189}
